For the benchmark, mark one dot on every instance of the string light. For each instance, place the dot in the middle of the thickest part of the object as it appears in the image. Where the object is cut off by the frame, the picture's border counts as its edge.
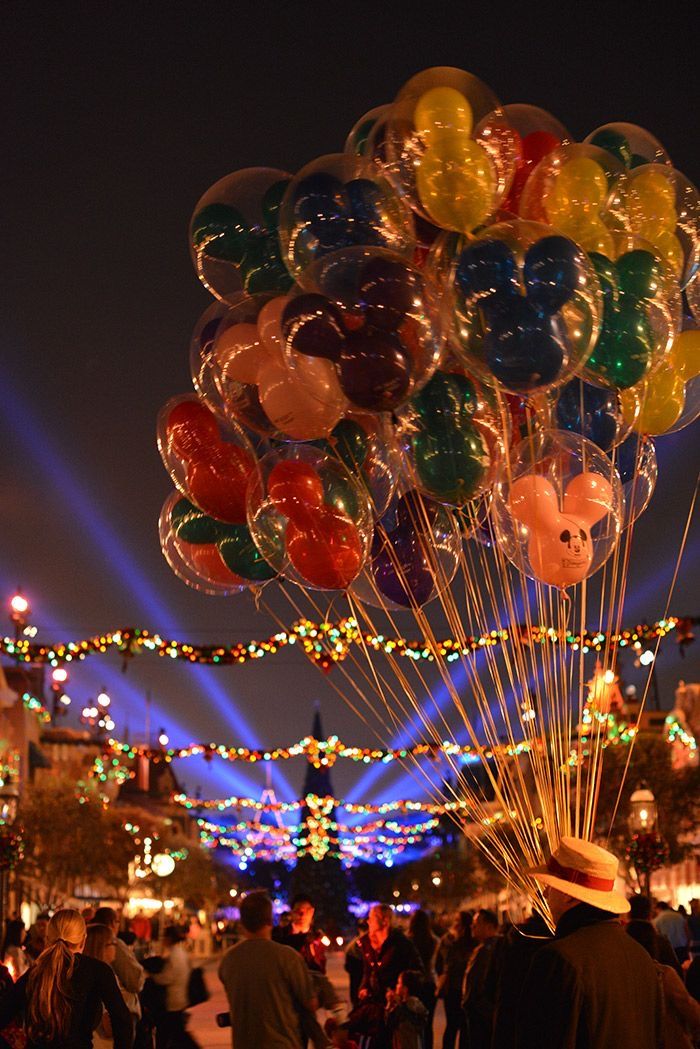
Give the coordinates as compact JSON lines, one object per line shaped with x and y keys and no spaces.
{"x":328,"y":643}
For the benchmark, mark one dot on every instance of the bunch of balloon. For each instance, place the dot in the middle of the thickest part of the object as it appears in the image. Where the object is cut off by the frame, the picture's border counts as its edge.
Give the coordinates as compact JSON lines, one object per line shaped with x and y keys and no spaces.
{"x":632,"y":145}
{"x":216,"y":558}
{"x":309,"y":518}
{"x":371,"y":316}
{"x":414,"y":556}
{"x":449,"y":146}
{"x":641,"y":313}
{"x":210,"y":470}
{"x":669,"y":399}
{"x":240,"y":351}
{"x":663,"y":208}
{"x":451,"y":439}
{"x":365,"y":445}
{"x":233,"y":234}
{"x":341,"y":201}
{"x":557,"y":512}
{"x":536,"y":134}
{"x":523,"y":304}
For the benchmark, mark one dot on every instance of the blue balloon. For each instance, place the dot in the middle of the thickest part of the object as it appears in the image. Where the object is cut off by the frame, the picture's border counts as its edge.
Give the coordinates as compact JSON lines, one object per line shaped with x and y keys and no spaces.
{"x":365,"y":199}
{"x":400,"y":567}
{"x":590,"y":411}
{"x":522,"y":347}
{"x":321,"y":196}
{"x":487,"y":268}
{"x":628,"y":456}
{"x":551,"y":272}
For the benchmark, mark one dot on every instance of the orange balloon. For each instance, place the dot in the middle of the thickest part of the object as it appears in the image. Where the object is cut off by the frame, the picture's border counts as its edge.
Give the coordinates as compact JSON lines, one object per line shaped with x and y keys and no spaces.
{"x":291,"y":408}
{"x":191,"y":429}
{"x":327,"y":552}
{"x":239,"y":353}
{"x":206,"y":562}
{"x":533,"y":501}
{"x":588,"y":498}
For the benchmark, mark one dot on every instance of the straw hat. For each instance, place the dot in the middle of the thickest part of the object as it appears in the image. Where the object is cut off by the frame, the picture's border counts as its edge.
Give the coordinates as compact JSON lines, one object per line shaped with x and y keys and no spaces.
{"x":586,"y":872}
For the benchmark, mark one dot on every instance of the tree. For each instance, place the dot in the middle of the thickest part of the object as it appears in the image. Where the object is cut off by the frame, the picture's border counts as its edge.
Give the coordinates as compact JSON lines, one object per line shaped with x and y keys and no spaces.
{"x":69,"y":843}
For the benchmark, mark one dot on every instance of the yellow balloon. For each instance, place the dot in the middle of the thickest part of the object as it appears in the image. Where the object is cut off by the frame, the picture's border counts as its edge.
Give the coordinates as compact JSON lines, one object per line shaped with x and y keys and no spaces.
{"x":663,"y":400}
{"x":580,"y":187}
{"x":653,"y":188}
{"x":589,"y":231}
{"x":456,"y":183}
{"x":442,"y":110}
{"x":685,"y":354}
{"x":668,"y":246}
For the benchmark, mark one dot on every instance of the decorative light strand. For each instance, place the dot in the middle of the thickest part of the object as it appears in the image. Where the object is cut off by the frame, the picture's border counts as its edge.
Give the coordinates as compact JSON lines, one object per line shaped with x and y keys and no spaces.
{"x":328,"y":643}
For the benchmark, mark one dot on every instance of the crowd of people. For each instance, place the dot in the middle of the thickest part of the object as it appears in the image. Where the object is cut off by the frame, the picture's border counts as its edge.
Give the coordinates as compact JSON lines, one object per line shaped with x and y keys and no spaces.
{"x":615,"y":973}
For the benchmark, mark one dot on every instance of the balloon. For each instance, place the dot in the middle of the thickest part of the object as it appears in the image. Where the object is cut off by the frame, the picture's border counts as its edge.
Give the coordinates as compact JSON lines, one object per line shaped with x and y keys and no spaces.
{"x":630,"y":144}
{"x":341,"y":201}
{"x":557,"y":509}
{"x":401,"y":569}
{"x":357,"y":142}
{"x":447,"y":143}
{"x":661,"y":206}
{"x":210,"y":470}
{"x":198,"y":564}
{"x":538,"y":134}
{"x":192,"y":526}
{"x":309,"y":518}
{"x":313,"y":325}
{"x":521,"y":343}
{"x":293,"y":409}
{"x":233,"y":234}
{"x":365,"y":446}
{"x":241,"y":556}
{"x":239,"y":352}
{"x":662,"y":398}
{"x":375,"y":370}
{"x":388,"y":290}
{"x":636,"y":462}
{"x":591,"y":411}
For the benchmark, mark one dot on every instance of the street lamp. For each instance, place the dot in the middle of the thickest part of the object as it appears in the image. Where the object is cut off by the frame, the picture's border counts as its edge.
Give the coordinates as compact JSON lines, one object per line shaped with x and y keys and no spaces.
{"x":643,"y":811}
{"x":647,"y":849}
{"x":19,"y":612}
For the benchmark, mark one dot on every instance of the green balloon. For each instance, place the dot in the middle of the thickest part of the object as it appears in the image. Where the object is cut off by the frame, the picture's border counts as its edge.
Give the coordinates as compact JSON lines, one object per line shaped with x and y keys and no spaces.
{"x":639,"y":274}
{"x":348,"y":442}
{"x":225,"y":226}
{"x":271,"y":202}
{"x":607,"y":276}
{"x":615,"y":143}
{"x":241,"y":555}
{"x":341,"y":493}
{"x":446,"y":397}
{"x":451,"y":464}
{"x":623,"y":352}
{"x":638,"y":161}
{"x":191,"y":525}
{"x":262,"y":266}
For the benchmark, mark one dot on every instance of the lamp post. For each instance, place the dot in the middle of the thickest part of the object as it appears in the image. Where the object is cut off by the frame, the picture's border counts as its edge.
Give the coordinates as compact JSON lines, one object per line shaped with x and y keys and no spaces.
{"x":20,"y":611}
{"x":647,"y":849}
{"x":9,"y":798}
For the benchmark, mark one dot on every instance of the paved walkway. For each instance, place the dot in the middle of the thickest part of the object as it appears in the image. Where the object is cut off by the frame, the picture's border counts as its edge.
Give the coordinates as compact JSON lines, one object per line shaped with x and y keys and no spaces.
{"x":203,"y":1027}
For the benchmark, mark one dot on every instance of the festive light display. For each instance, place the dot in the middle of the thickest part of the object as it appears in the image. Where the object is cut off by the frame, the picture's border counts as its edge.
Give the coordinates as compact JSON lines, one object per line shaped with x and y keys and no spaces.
{"x":328,"y":643}
{"x":677,"y":733}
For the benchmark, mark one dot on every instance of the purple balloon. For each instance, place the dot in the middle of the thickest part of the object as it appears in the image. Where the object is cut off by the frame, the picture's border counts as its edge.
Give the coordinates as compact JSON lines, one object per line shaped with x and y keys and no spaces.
{"x":375,"y":372}
{"x":400,"y":568}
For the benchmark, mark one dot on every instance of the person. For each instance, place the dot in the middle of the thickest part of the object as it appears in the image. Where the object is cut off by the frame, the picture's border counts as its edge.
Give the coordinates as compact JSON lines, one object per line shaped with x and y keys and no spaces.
{"x":14,"y":956}
{"x":520,"y":944}
{"x":682,"y":1012}
{"x":386,"y":953}
{"x":62,"y":996}
{"x":267,"y":984}
{"x":694,"y":929}
{"x":406,"y":1015}
{"x":299,"y":932}
{"x":674,"y":926}
{"x":591,"y":986}
{"x":172,"y":1032}
{"x":422,"y":937}
{"x":481,"y":979}
{"x":640,"y":914}
{"x":129,"y":972}
{"x":101,"y":943}
{"x":339,"y":1034}
{"x":353,"y":962}
{"x":451,"y":959}
{"x":36,"y":938}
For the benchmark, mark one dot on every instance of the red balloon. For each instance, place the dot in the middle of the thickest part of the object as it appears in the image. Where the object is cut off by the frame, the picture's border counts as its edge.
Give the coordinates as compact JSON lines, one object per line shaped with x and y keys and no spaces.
{"x":327,"y":553}
{"x":205,"y":560}
{"x":191,"y":429}
{"x":295,"y":489}
{"x":533,"y":148}
{"x":218,"y":483}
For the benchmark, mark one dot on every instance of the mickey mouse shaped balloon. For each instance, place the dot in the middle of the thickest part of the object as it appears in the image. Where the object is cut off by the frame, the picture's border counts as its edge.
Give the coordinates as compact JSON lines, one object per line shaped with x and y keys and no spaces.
{"x":558,"y":516}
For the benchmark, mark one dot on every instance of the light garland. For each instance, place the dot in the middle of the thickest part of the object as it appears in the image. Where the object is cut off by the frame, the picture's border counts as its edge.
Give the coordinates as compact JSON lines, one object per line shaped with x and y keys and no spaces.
{"x":328,"y":643}
{"x":677,"y":733}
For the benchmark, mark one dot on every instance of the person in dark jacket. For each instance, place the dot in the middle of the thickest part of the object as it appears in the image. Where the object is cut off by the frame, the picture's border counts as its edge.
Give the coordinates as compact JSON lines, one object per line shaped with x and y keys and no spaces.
{"x":640,"y":913}
{"x":453,"y":953}
{"x":421,"y":935}
{"x":386,"y":953}
{"x":520,"y":944}
{"x":481,"y":979}
{"x":61,"y":998}
{"x":592,"y":987}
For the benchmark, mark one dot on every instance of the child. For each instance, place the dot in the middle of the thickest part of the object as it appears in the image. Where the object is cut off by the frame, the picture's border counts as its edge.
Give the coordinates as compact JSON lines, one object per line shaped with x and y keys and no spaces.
{"x":339,"y":1034}
{"x":406,"y":1016}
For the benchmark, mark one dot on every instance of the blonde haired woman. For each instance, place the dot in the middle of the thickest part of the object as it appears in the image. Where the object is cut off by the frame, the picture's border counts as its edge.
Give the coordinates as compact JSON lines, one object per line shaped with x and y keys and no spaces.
{"x":63,"y":995}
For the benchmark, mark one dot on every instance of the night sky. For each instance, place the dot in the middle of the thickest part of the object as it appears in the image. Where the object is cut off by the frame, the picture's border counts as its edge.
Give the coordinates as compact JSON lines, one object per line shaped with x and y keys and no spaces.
{"x":115,"y":121}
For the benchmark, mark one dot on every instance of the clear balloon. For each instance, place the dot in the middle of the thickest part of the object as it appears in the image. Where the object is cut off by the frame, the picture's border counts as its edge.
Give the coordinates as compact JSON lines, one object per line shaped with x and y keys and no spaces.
{"x":373,"y":318}
{"x":358,"y":142}
{"x":632,"y":145}
{"x":593,"y":412}
{"x":575,"y":189}
{"x":337,"y":202}
{"x":449,"y":145}
{"x":451,"y":439}
{"x":365,"y":446}
{"x":234,"y":236}
{"x":558,"y":508}
{"x":661,"y":206}
{"x":209,"y":463}
{"x":414,"y":556}
{"x":537,"y":133}
{"x":669,"y":399}
{"x":198,"y":564}
{"x":636,"y":464}
{"x":309,"y":518}
{"x":641,"y":313}
{"x":523,"y":303}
